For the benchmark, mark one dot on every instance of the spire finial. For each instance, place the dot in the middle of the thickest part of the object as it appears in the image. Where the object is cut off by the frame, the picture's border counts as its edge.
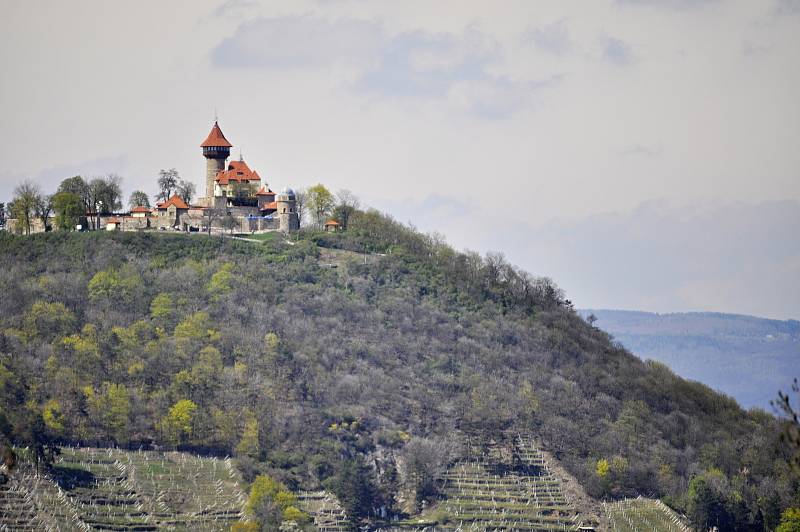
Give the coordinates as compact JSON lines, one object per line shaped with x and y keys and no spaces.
{"x":216,"y":119}
{"x":241,"y":157}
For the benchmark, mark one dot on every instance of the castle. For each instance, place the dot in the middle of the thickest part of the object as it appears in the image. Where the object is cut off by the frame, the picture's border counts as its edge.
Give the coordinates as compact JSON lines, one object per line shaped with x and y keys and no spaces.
{"x":236,"y":198}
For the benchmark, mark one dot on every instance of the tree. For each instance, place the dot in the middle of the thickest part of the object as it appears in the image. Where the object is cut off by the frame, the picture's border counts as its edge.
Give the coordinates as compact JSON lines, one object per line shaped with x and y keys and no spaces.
{"x":179,"y":421}
{"x":320,"y":202}
{"x":423,"y":461}
{"x":2,"y":214}
{"x":76,"y":185}
{"x":791,"y":416}
{"x":229,"y":222}
{"x":167,"y":182}
{"x":790,"y":521}
{"x":301,"y":205}
{"x":185,"y":190}
{"x":105,"y":196}
{"x":27,"y":197}
{"x":346,"y":205}
{"x":43,"y":209}
{"x":139,"y":199}
{"x":209,"y":215}
{"x":69,"y":209}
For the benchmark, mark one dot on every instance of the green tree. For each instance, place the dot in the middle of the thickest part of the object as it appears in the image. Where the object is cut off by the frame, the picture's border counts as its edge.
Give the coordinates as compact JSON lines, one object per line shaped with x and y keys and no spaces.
{"x":105,"y":195}
{"x":139,"y":198}
{"x":162,"y":308}
{"x":115,"y":285}
{"x":48,"y":320}
{"x":178,"y":424}
{"x":27,"y":198}
{"x":248,"y":444}
{"x":790,"y":521}
{"x":320,"y":202}
{"x":76,"y":185}
{"x":220,"y":282}
{"x":69,"y":209}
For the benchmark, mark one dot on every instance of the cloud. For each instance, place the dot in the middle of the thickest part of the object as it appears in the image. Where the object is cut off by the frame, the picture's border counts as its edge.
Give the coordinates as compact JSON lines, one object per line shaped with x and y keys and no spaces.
{"x":457,"y":68}
{"x":553,"y":38}
{"x":616,"y":51}
{"x":787,"y":7}
{"x":298,"y":41}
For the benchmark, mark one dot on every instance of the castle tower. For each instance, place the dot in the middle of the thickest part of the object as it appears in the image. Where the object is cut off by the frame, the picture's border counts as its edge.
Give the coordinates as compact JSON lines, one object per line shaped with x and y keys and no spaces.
{"x":286,"y":202}
{"x":216,"y":150}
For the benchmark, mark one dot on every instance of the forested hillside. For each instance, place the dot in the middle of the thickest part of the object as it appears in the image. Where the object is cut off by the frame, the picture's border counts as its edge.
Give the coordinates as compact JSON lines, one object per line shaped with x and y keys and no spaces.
{"x":359,"y":362}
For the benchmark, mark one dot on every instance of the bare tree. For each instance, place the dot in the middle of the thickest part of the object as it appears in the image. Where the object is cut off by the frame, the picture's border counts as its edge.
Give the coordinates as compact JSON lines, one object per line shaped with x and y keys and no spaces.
{"x":167,"y":182}
{"x":346,"y":205}
{"x":301,"y":205}
{"x":186,"y":190}
{"x":139,"y":199}
{"x":209,"y":215}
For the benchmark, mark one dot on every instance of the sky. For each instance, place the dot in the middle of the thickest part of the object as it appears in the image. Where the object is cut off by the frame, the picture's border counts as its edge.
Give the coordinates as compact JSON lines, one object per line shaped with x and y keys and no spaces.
{"x":645,"y":154}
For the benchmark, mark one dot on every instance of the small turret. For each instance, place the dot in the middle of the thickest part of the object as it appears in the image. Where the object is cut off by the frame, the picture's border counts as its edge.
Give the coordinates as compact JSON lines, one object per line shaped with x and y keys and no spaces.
{"x":286,"y":202}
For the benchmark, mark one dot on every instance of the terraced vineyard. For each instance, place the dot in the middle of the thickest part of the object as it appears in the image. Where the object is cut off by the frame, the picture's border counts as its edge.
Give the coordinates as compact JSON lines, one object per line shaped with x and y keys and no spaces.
{"x":108,"y":489}
{"x":325,"y":509}
{"x":634,"y":515}
{"x":506,"y":486}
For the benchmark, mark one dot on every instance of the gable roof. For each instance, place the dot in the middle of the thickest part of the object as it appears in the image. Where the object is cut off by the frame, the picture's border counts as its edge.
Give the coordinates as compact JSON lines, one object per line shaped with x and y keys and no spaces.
{"x":174,"y":200}
{"x":140,"y":208}
{"x":216,"y":139}
{"x":237,"y":171}
{"x":265,"y":191}
{"x":332,"y":222}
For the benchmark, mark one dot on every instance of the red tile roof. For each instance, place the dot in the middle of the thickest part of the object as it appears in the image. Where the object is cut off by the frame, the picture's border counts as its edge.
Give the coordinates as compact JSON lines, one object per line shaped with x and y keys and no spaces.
{"x":270,"y":206}
{"x":264,"y":191}
{"x":140,"y":208}
{"x":112,"y":221}
{"x":237,"y":171}
{"x":174,"y":200}
{"x":216,"y":138}
{"x":332,"y":222}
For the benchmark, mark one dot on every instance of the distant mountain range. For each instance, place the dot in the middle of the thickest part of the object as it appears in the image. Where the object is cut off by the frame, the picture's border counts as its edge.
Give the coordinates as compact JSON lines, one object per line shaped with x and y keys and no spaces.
{"x":746,"y":357}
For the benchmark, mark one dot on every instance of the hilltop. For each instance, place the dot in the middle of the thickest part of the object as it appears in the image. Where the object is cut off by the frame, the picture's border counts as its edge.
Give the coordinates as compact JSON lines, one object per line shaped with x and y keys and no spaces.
{"x":366,"y":363}
{"x":747,"y":357}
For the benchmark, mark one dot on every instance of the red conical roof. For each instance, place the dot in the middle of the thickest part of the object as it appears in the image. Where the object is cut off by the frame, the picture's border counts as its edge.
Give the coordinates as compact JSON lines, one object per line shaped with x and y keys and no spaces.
{"x":216,"y":138}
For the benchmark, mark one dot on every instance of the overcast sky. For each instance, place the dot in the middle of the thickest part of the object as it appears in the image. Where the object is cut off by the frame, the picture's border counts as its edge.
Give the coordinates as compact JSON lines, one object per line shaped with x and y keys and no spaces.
{"x":643,"y":153}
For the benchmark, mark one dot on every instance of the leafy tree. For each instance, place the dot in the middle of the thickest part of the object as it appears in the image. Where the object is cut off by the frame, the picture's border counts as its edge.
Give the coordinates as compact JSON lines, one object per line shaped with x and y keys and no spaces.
{"x":27,"y":198}
{"x":354,"y":486}
{"x":248,"y":444}
{"x":111,"y":407}
{"x":115,"y":285}
{"x":105,"y":196}
{"x":790,"y":521}
{"x":320,"y":202}
{"x":139,"y":199}
{"x":271,"y":503}
{"x":48,"y":320}
{"x":69,"y":209}
{"x":186,"y":190}
{"x":52,"y":416}
{"x":2,"y":215}
{"x":76,"y":185}
{"x":167,"y":182}
{"x":220,"y":282}
{"x":178,"y":424}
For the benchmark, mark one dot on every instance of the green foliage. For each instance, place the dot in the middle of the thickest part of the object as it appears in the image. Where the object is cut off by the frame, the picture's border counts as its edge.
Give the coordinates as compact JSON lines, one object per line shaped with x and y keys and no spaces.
{"x":248,"y":444}
{"x":115,"y":286}
{"x":790,"y":521}
{"x":602,"y":468}
{"x":220,"y":283}
{"x":178,"y":424}
{"x":70,"y":209}
{"x":320,"y":202}
{"x":52,"y":416}
{"x":48,"y":320}
{"x":162,"y":308}
{"x":271,"y":502}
